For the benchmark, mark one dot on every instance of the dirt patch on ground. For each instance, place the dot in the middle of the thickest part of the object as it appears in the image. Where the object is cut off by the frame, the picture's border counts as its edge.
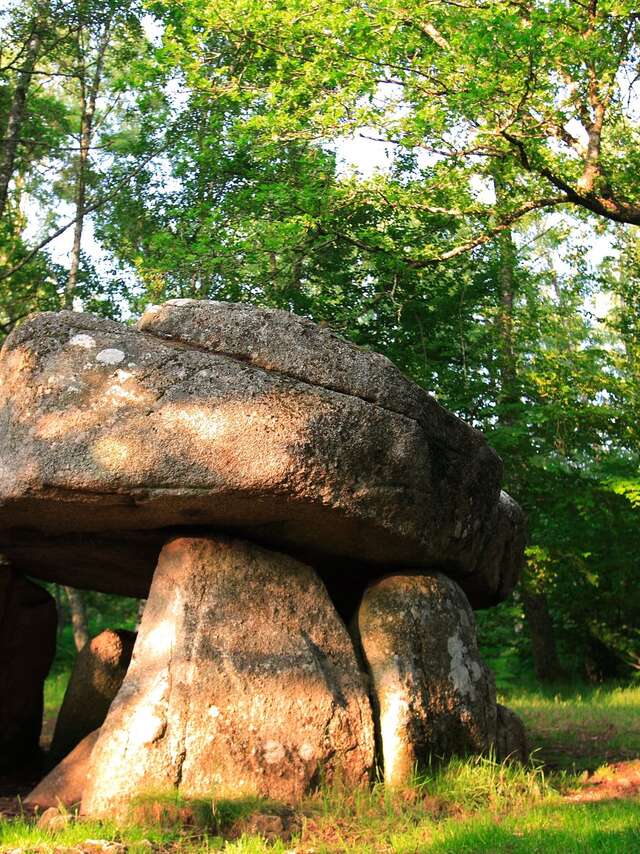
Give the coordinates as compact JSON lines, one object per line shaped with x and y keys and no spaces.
{"x":621,"y":780}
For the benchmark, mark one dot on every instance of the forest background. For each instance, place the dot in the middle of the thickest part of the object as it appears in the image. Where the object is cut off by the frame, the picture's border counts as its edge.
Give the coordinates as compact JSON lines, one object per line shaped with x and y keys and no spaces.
{"x":453,"y":183}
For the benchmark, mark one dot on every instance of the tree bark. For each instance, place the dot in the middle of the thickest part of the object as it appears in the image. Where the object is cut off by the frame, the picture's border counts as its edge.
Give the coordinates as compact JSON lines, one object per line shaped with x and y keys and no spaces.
{"x":536,"y":607}
{"x":17,"y":113}
{"x":142,"y":603}
{"x":57,"y":595}
{"x":507,"y":354}
{"x":78,"y":617}
{"x":88,"y":97}
{"x":543,"y":643}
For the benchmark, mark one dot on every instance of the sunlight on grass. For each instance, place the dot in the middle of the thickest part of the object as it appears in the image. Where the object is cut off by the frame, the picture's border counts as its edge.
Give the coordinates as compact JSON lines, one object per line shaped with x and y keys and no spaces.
{"x":512,"y":811}
{"x":610,"y":828}
{"x":581,"y":726}
{"x":467,"y":806}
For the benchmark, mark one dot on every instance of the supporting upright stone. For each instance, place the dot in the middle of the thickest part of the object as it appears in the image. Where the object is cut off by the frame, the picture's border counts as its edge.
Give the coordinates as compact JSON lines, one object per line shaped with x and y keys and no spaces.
{"x":28,"y":621}
{"x":96,"y":678}
{"x":65,"y":783}
{"x":243,"y":682}
{"x":433,"y":695}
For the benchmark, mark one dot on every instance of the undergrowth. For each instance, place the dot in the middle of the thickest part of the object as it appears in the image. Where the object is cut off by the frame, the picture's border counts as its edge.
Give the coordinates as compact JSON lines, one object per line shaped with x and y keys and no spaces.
{"x":337,"y":818}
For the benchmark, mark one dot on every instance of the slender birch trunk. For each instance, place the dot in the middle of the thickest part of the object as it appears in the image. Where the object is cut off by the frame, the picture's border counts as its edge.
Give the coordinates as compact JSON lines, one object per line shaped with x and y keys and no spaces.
{"x":89,"y":91}
{"x":17,"y":113}
{"x":79,"y":622}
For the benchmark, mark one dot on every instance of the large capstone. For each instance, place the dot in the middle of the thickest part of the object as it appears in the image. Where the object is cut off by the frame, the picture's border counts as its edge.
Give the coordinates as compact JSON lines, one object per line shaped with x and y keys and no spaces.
{"x":433,"y":695}
{"x":243,"y":682}
{"x":28,"y":621}
{"x":97,"y":675}
{"x":227,"y":416}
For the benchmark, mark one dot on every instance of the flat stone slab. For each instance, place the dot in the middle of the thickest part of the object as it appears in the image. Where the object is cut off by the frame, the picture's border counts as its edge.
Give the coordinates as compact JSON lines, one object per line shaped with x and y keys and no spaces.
{"x":226,"y":416}
{"x":244,"y":682}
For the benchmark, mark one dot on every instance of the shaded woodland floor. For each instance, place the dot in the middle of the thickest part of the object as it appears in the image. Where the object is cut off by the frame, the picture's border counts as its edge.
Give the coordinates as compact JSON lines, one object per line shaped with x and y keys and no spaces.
{"x":580,"y":794}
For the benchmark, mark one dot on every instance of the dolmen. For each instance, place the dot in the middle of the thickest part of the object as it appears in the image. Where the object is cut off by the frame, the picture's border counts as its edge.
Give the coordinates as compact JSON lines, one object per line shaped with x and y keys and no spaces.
{"x":311,"y":530}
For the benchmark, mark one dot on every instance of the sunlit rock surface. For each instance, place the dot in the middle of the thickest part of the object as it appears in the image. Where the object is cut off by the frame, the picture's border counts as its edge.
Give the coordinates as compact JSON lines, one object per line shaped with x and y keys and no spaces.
{"x":433,"y":695}
{"x":243,"y":681}
{"x":28,"y":621}
{"x":214,"y":414}
{"x":96,"y":677}
{"x":64,"y":785}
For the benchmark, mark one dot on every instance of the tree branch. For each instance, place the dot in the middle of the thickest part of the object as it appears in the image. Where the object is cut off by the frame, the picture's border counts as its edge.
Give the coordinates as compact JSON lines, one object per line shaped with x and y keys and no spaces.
{"x":94,"y":206}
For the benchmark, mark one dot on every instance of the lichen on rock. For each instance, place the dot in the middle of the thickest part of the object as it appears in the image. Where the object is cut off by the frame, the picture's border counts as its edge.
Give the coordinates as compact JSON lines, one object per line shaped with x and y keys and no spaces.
{"x":433,"y":695}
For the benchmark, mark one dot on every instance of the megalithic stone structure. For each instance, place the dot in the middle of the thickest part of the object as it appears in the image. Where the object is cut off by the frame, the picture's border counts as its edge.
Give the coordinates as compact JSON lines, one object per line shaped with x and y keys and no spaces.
{"x":261,"y":456}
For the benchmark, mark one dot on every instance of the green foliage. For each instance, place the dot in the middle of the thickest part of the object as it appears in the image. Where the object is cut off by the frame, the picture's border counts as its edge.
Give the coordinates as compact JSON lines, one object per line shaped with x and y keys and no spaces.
{"x":504,"y":643}
{"x":103,"y":612}
{"x":453,"y":89}
{"x":216,"y":171}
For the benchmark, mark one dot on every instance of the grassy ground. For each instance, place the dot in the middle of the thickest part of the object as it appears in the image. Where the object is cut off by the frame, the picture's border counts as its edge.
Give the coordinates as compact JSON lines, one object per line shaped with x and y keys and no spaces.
{"x":467,"y":807}
{"x":578,"y":727}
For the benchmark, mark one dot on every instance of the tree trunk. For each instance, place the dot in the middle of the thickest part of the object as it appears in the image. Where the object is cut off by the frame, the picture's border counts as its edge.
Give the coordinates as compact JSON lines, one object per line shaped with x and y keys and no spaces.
{"x":81,"y":195}
{"x":543,"y":643}
{"x":536,"y":607}
{"x":88,"y":98}
{"x":57,"y":595}
{"x":16,"y":114}
{"x":507,"y":355}
{"x":78,"y":617}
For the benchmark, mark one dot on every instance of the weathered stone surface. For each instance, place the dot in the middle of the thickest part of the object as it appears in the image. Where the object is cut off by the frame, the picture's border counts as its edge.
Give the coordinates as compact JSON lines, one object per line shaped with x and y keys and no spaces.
{"x":501,"y":557}
{"x":243,"y":681}
{"x":433,"y":695}
{"x":65,"y":784}
{"x":247,"y":419}
{"x":95,"y":680}
{"x":511,"y":736}
{"x":28,"y":621}
{"x":280,"y":342}
{"x":120,"y":562}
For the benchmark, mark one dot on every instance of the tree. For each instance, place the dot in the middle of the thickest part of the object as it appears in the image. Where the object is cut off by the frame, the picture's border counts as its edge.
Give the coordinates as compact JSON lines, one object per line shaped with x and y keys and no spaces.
{"x":33,"y":124}
{"x":79,"y":624}
{"x":87,"y":74}
{"x":16,"y":113}
{"x":105,"y":33}
{"x":544,"y":90}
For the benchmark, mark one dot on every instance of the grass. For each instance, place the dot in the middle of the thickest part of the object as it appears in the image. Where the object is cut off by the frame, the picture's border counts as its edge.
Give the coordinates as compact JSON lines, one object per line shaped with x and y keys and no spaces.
{"x":578,"y":727}
{"x":54,"y":689}
{"x":469,"y":806}
{"x":610,"y":827}
{"x":410,"y":821}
